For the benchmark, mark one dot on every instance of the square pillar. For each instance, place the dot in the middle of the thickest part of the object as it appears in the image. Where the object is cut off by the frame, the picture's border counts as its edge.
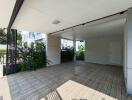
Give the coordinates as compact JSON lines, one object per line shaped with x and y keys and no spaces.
{"x":53,"y":50}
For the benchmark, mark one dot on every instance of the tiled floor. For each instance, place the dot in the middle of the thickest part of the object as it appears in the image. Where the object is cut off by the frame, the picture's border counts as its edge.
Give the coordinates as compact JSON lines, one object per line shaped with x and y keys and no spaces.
{"x":36,"y":84}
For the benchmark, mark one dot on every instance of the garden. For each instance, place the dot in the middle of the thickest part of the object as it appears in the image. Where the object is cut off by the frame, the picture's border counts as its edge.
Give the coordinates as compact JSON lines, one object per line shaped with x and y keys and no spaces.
{"x":30,"y":55}
{"x":22,"y":51}
{"x":2,"y":46}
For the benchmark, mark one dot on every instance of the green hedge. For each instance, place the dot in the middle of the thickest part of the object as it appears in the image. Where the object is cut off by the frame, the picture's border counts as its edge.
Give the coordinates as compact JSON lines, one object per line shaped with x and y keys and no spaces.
{"x":2,"y":50}
{"x":33,"y":57}
{"x":80,"y":55}
{"x":67,"y":55}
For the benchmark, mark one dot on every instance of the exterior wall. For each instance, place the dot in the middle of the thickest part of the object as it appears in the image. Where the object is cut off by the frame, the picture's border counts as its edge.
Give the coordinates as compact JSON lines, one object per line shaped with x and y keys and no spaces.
{"x":105,"y":50}
{"x":128,"y":52}
{"x":53,"y":50}
{"x":3,"y":46}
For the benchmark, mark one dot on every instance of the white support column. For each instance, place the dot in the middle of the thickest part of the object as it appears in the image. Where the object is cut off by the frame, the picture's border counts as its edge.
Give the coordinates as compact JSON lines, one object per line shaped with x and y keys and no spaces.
{"x":74,"y":44}
{"x":128,"y":52}
{"x":53,"y":50}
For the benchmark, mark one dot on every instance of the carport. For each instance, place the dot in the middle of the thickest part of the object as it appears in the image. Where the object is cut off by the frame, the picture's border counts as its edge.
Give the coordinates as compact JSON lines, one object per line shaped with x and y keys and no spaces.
{"x":106,"y":28}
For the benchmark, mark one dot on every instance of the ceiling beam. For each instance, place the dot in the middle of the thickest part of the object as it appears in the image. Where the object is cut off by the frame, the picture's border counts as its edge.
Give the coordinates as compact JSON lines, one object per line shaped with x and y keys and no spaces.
{"x":88,"y":22}
{"x":15,"y":12}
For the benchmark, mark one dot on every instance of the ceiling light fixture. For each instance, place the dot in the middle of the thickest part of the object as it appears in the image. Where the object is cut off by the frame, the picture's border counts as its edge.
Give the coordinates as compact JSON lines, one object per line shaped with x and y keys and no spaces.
{"x":56,"y":22}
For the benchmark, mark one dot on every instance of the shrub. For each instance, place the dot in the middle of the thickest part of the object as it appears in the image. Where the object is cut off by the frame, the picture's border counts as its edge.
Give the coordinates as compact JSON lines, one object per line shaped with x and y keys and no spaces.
{"x":67,"y":55}
{"x":33,"y":57}
{"x":2,"y":51}
{"x":80,"y":55}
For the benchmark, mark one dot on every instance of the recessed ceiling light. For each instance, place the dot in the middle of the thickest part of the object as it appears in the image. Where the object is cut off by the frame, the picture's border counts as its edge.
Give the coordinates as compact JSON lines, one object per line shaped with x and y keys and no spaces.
{"x":56,"y":22}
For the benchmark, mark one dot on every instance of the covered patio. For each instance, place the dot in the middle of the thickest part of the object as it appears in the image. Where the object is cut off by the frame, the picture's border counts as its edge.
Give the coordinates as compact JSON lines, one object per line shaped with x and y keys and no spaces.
{"x":44,"y":69}
{"x":37,"y":84}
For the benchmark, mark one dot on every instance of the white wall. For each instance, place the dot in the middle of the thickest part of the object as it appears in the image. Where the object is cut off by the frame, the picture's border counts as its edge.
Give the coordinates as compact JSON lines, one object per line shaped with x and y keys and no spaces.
{"x":128,"y":52}
{"x":105,"y":50}
{"x":53,"y":49}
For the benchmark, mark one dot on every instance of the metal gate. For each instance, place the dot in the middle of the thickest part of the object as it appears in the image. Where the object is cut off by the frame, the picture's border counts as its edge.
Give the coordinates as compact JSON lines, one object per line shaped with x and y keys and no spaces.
{"x":11,"y":51}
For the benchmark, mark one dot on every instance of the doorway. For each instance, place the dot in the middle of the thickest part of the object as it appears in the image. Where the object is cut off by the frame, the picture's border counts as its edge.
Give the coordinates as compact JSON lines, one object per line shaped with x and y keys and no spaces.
{"x":80,"y":50}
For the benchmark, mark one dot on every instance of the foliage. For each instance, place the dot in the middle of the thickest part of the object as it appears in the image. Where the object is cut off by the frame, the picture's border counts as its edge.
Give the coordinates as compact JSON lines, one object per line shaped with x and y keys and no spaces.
{"x":80,"y":52}
{"x":2,"y":55}
{"x":80,"y":55}
{"x":81,"y":47}
{"x":67,"y":54}
{"x":2,"y":51}
{"x":2,"y":36}
{"x":19,"y":38}
{"x":33,"y":57}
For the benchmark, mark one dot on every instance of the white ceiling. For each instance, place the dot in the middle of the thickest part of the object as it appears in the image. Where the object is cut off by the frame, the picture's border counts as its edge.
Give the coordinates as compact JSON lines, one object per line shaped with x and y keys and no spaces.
{"x":6,"y":8}
{"x":38,"y":15}
{"x":109,"y":26}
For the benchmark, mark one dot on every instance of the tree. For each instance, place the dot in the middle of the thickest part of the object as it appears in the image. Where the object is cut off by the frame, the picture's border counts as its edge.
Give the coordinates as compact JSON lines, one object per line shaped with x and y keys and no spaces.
{"x":3,"y":37}
{"x":19,"y":38}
